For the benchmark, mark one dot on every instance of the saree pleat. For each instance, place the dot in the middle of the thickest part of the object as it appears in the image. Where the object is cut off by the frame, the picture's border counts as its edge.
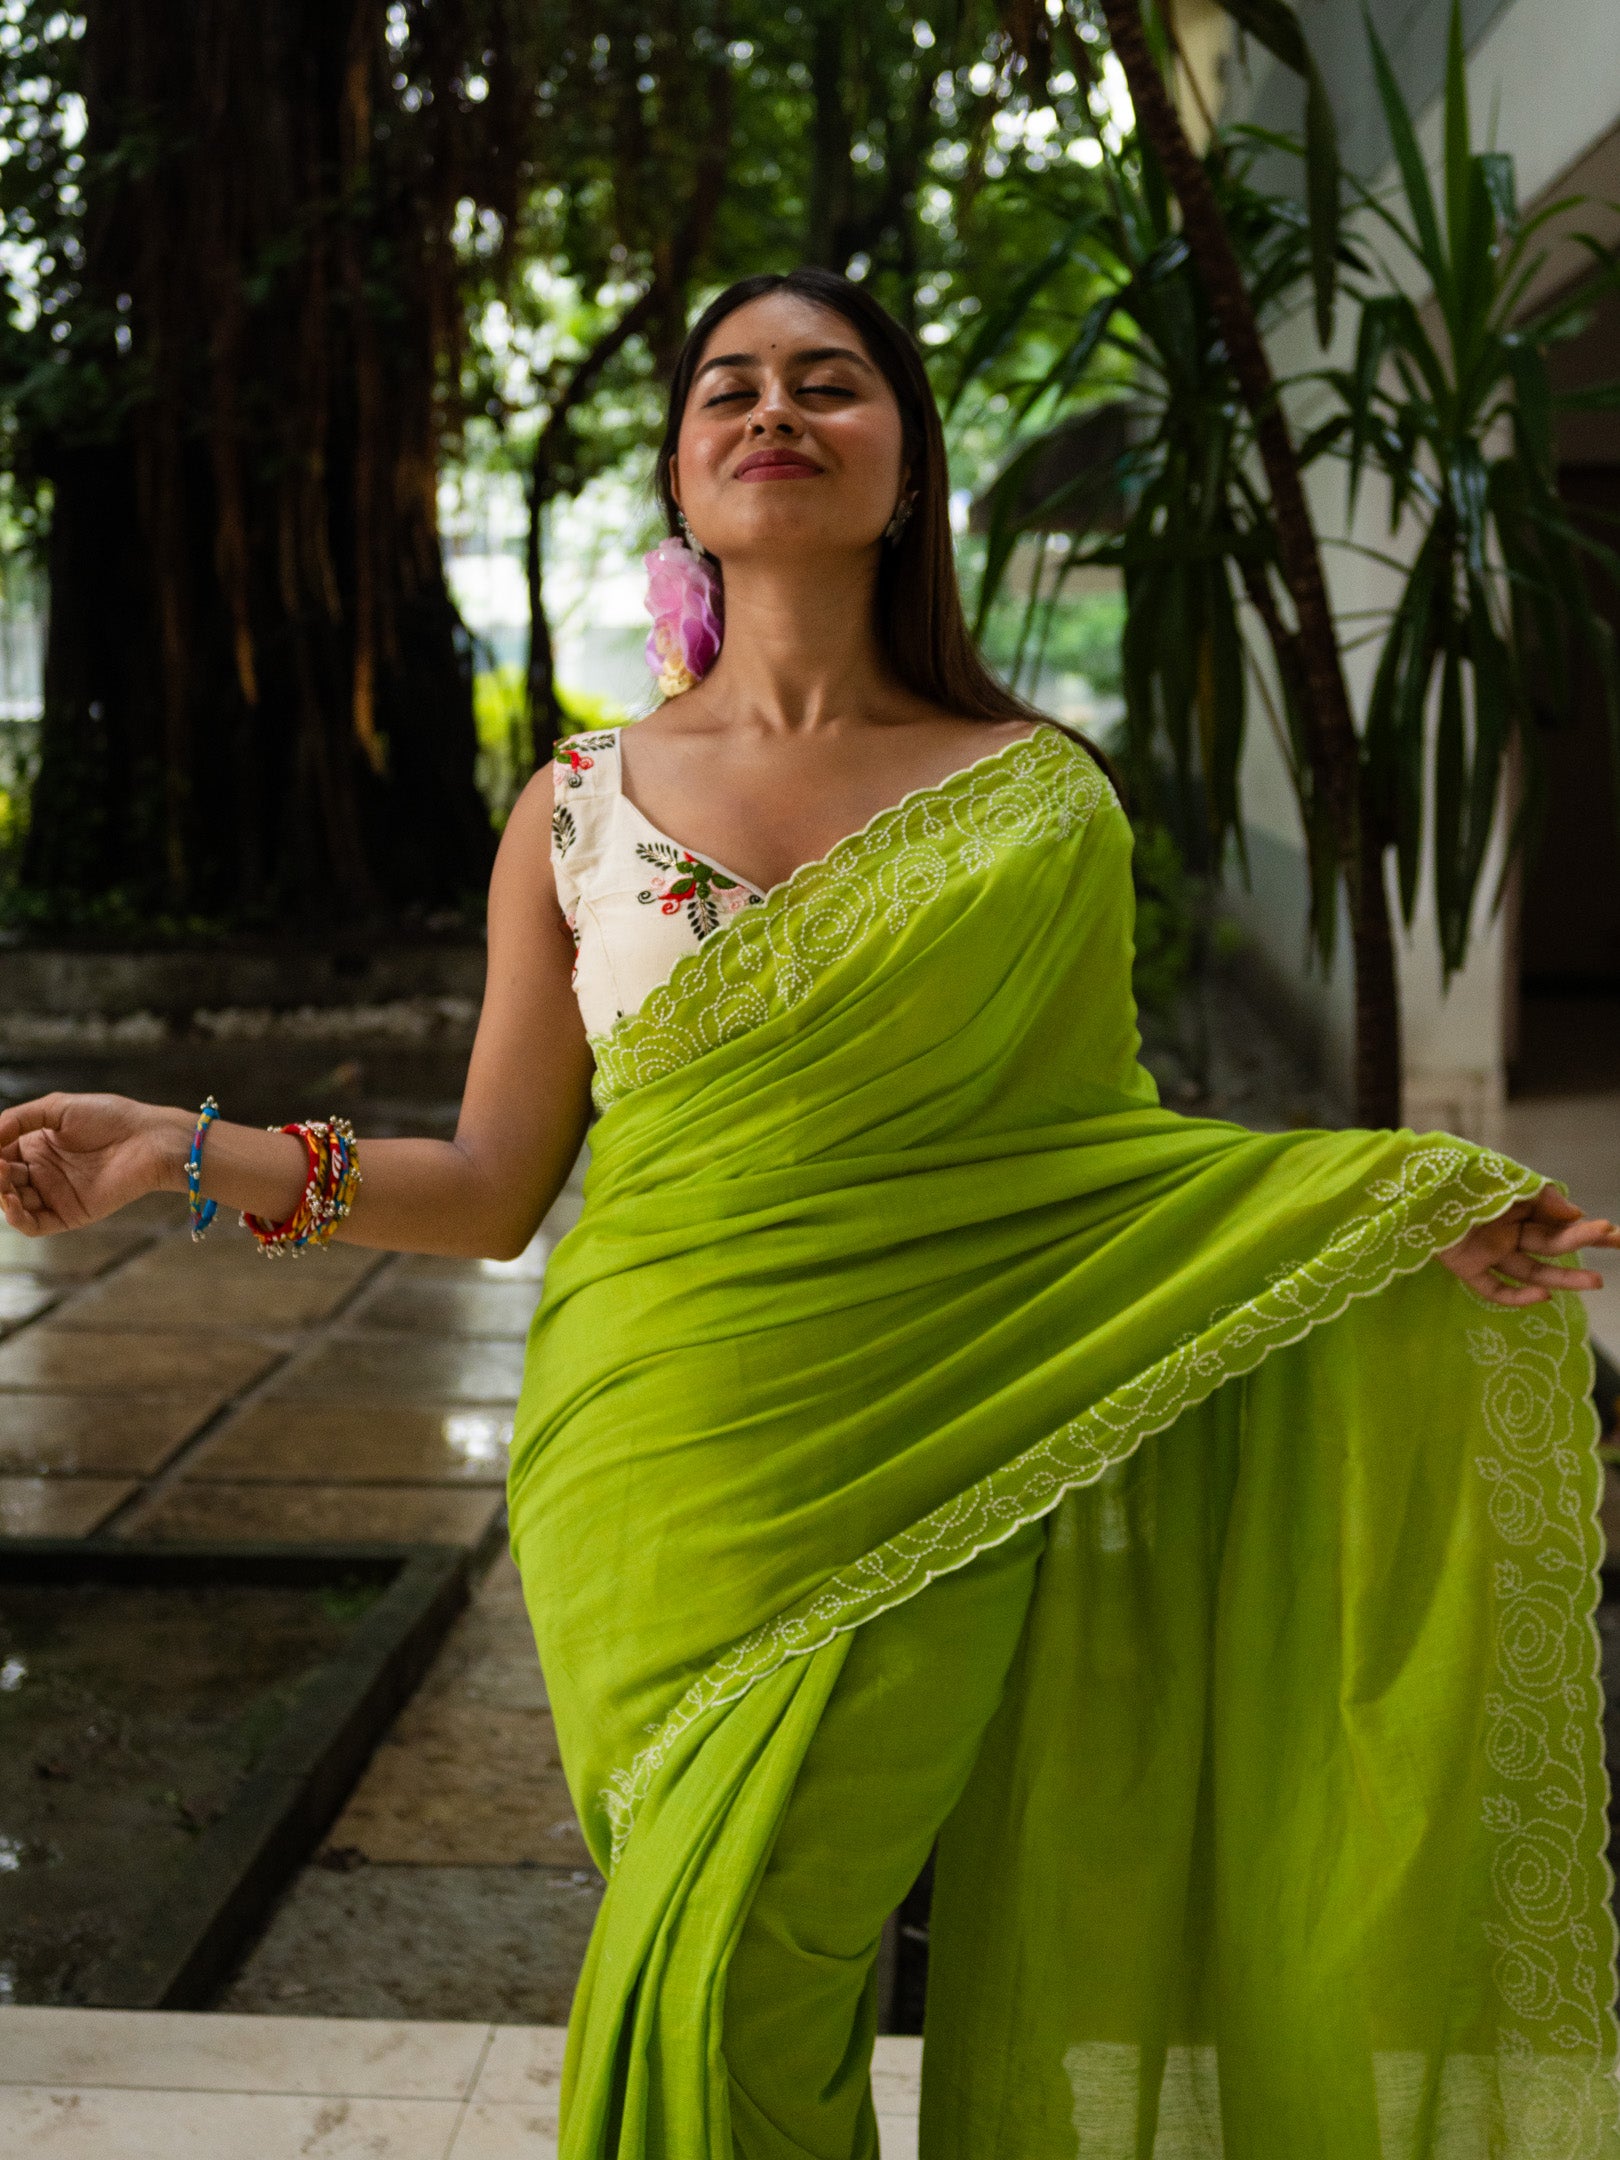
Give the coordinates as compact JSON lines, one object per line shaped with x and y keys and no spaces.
{"x":1289,"y":1833}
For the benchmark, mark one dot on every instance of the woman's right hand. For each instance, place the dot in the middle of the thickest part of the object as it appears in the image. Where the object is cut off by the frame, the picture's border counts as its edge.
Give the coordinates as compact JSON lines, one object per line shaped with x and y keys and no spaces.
{"x":68,"y":1160}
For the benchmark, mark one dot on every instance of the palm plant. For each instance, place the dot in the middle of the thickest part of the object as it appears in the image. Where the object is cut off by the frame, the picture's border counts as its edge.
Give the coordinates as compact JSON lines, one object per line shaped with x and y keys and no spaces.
{"x":1453,"y":406}
{"x":1193,"y":528}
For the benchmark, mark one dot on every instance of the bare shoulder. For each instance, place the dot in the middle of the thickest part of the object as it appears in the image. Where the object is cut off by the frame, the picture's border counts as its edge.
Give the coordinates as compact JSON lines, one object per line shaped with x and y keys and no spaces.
{"x":522,"y":872}
{"x":976,"y":739}
{"x":528,"y":824}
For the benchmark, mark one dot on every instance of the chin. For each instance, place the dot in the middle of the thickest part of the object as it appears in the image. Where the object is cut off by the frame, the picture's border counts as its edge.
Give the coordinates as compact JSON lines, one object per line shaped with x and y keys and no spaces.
{"x":780,"y":534}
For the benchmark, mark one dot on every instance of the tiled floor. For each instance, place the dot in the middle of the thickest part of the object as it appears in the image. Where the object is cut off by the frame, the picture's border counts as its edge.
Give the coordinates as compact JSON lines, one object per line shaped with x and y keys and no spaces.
{"x":155,"y":2085}
{"x":159,"y":1390}
{"x":152,"y":1388}
{"x":455,"y":1882}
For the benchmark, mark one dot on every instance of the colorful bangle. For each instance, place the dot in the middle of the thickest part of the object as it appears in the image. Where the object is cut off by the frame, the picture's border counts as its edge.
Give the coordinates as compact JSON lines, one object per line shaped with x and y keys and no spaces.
{"x":202,"y":1211}
{"x":329,"y":1189}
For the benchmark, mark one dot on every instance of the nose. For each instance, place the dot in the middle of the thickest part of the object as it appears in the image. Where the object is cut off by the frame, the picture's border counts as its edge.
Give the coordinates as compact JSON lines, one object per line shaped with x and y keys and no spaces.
{"x":773,"y":413}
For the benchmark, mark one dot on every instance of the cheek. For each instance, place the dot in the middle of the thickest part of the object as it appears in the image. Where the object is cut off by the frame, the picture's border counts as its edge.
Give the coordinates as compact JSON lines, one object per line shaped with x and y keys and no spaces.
{"x":869,"y":449}
{"x":701,"y":453}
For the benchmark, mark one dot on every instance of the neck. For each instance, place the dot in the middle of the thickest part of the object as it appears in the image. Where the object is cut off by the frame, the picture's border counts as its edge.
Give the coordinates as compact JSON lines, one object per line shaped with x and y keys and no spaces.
{"x":801,"y":650}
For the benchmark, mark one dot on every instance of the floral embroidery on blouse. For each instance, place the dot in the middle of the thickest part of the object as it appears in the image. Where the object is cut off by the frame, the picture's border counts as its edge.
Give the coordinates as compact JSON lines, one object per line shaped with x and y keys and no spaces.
{"x":571,"y":759}
{"x":683,"y":881}
{"x":563,"y":830}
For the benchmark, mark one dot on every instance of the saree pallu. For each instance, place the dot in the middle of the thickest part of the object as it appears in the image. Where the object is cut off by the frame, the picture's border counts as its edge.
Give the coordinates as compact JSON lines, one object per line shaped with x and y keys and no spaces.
{"x":1280,"y":1822}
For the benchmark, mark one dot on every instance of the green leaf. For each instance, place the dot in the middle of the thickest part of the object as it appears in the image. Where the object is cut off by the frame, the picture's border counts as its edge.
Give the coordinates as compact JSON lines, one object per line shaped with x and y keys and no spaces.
{"x":1322,"y":199}
{"x":1493,"y":678}
{"x":1470,"y":493}
{"x":999,"y":326}
{"x":1431,"y":250}
{"x":1274,"y":25}
{"x":1532,"y":402}
{"x":1222,"y":707}
{"x":1450,"y":779}
{"x":1501,"y":185}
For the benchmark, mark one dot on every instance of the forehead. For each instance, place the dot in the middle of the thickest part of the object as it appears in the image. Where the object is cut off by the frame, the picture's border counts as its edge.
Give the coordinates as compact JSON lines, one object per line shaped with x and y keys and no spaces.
{"x":779,"y":323}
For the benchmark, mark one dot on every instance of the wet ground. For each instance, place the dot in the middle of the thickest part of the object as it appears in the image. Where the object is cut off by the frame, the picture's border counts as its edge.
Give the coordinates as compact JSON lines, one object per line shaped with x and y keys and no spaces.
{"x":157,"y":1390}
{"x":132,"y":1716}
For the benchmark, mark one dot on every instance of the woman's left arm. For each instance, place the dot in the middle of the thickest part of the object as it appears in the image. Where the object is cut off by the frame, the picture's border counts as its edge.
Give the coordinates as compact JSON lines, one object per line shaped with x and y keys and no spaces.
{"x":1519,"y":1245}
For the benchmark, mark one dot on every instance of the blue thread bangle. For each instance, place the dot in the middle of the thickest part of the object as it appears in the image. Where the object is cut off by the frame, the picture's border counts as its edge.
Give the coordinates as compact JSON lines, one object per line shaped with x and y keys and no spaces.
{"x":202,"y":1211}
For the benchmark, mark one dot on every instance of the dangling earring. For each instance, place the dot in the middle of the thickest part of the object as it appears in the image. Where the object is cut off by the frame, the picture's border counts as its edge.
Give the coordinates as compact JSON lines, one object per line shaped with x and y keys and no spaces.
{"x":687,"y":533}
{"x":897,"y":524}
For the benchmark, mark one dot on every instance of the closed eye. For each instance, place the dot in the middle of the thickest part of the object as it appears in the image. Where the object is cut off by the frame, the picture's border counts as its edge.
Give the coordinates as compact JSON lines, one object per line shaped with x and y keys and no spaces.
{"x":730,"y":397}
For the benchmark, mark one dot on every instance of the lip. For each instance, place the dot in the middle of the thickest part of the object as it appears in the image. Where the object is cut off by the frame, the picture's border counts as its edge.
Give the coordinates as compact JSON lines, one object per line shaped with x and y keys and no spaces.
{"x":778,"y":465}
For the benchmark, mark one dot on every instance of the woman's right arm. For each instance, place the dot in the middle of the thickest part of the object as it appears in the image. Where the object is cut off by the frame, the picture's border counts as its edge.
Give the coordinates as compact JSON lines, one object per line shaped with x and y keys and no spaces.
{"x":67,"y":1160}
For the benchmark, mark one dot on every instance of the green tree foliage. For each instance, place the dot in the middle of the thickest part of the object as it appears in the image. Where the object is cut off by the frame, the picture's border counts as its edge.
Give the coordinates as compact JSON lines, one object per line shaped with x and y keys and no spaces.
{"x":713,"y":140}
{"x":233,"y":307}
{"x":270,"y":268}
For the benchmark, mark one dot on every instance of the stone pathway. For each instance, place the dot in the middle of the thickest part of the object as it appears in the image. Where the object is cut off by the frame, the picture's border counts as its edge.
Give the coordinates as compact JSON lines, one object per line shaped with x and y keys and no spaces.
{"x":152,"y":1388}
{"x":158,"y":1390}
{"x":456,"y":1879}
{"x":156,"y":2085}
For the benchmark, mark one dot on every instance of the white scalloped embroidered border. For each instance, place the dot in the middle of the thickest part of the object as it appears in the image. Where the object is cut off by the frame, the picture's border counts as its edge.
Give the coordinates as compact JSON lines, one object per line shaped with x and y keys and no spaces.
{"x":1040,"y":788}
{"x":1555,"y":1974}
{"x":1443,"y":1188}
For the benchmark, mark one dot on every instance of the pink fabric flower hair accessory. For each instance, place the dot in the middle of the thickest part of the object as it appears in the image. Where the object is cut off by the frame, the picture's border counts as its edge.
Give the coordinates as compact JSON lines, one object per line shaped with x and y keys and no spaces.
{"x":684,"y":601}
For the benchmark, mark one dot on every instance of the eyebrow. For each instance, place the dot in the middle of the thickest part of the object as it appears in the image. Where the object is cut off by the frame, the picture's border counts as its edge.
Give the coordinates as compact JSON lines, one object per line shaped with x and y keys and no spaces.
{"x":810,"y":355}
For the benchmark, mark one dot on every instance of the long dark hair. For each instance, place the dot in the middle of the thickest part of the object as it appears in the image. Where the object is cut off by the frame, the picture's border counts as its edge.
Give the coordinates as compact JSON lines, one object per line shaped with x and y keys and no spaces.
{"x":923,"y":630}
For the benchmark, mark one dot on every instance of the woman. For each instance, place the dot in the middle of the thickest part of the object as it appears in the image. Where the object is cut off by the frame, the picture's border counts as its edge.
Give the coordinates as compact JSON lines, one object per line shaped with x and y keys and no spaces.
{"x":927,"y":1437}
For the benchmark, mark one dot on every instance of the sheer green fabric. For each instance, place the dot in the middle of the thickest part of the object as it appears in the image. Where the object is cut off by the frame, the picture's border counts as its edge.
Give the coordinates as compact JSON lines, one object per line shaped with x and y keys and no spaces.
{"x":1286,"y":1833}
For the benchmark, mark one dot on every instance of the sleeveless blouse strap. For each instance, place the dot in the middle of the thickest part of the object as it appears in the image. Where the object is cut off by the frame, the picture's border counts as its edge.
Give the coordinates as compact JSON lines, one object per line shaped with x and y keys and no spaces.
{"x":585,"y":778}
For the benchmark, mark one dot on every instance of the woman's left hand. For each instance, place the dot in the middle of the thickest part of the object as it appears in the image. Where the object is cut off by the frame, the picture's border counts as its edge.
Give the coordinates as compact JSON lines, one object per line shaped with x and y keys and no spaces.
{"x":1519,"y":1244}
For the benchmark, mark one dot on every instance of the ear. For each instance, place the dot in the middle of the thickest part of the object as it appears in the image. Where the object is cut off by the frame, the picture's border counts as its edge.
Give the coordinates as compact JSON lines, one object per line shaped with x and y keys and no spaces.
{"x":675,"y":483}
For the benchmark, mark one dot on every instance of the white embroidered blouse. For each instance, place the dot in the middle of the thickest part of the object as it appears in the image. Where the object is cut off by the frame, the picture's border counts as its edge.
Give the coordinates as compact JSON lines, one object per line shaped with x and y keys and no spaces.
{"x":635,"y":900}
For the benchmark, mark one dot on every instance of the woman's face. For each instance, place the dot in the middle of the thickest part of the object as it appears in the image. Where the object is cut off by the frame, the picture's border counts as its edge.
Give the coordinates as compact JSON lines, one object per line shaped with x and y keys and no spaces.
{"x":791,"y":440}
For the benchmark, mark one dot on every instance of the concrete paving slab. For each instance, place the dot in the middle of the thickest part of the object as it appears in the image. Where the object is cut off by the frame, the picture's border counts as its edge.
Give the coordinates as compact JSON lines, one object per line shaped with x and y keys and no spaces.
{"x":59,"y":1506}
{"x":500,"y":1943}
{"x":77,"y":1435}
{"x":398,"y":1368}
{"x":429,"y":1305}
{"x":297,"y":1514}
{"x":465,"y":1784}
{"x":353,"y":1443}
{"x":67,"y":1360}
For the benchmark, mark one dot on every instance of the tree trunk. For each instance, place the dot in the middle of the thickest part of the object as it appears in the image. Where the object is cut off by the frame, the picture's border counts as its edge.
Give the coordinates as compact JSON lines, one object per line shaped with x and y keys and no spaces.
{"x":258,"y":697}
{"x":1329,"y":725}
{"x":545,"y":712}
{"x":827,"y":212}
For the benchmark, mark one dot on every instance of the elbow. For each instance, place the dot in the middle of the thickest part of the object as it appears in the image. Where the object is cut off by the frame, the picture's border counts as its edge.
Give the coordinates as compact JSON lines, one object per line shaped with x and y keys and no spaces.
{"x":506,"y":1242}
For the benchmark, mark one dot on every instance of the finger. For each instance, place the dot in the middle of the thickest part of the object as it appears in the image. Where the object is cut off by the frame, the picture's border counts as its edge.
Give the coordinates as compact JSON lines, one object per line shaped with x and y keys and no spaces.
{"x":43,"y":1114}
{"x":1585,"y":1230}
{"x":1552,"y":1205}
{"x":16,"y":1179}
{"x":1498,"y":1293}
{"x":17,"y":1216}
{"x":1525,"y":1270}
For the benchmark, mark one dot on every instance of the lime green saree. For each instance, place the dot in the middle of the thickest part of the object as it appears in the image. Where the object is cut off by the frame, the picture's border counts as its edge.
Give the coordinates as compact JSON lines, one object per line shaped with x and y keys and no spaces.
{"x":925,"y":1433}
